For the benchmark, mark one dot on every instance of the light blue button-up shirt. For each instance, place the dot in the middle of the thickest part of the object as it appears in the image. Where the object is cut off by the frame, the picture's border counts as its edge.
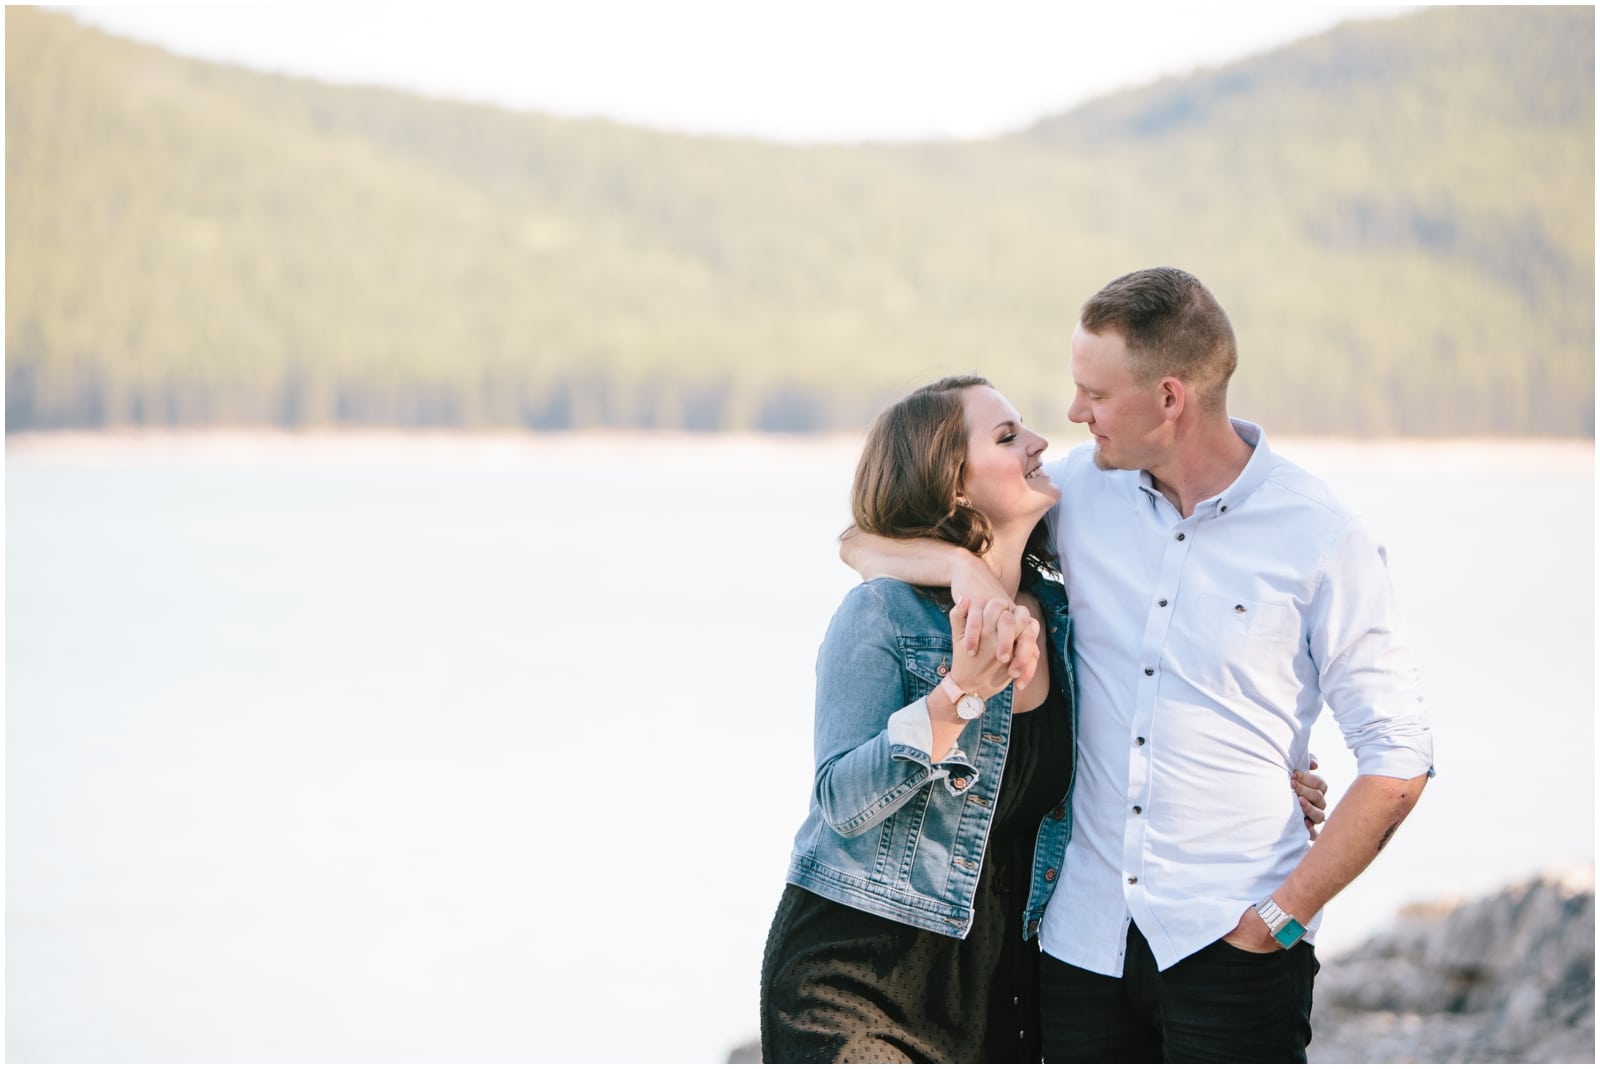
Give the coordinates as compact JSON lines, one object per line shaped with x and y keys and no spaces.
{"x":1206,"y":647}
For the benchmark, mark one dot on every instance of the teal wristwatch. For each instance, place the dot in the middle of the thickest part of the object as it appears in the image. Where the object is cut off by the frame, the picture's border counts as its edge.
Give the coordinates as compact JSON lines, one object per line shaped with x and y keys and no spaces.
{"x":1284,"y":928}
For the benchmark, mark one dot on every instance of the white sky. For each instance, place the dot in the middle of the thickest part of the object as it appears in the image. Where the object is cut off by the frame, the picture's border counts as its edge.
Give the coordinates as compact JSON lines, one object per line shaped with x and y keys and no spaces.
{"x":782,"y":69}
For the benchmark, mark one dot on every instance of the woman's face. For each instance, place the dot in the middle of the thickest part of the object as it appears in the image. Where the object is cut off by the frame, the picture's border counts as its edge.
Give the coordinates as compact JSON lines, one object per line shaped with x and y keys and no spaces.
{"x":1003,"y":479}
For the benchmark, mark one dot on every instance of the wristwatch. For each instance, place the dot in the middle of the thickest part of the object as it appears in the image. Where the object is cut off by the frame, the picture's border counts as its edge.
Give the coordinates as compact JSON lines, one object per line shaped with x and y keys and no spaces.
{"x":968,"y":706}
{"x":1284,"y":928}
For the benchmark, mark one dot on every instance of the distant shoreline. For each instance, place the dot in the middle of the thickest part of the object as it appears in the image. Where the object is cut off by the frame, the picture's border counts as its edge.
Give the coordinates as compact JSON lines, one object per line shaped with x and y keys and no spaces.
{"x":1328,"y":457}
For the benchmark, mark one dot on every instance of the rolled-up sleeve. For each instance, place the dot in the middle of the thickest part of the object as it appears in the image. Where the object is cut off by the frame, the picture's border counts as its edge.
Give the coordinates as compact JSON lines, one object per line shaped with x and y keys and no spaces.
{"x":1367,"y":673}
{"x":911,"y":738}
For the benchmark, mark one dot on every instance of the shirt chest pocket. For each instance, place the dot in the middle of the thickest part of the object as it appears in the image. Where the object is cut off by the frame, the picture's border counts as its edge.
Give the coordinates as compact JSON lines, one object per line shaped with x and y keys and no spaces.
{"x":1239,"y":639}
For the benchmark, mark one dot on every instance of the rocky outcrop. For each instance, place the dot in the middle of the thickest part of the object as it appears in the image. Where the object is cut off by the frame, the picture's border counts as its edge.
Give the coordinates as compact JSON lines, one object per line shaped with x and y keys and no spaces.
{"x":1505,"y":978}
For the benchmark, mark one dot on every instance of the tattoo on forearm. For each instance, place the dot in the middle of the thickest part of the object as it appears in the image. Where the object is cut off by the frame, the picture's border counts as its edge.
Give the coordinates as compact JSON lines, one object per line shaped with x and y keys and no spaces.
{"x":1387,"y":835}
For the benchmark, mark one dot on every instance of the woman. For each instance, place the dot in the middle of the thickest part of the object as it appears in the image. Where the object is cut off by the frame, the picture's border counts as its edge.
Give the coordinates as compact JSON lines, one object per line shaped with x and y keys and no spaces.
{"x":940,"y":801}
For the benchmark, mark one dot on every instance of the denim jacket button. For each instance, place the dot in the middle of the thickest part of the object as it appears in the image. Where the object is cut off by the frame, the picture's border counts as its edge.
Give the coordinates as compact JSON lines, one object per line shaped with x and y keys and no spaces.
{"x":1050,"y":875}
{"x":1058,"y":813}
{"x":958,"y":782}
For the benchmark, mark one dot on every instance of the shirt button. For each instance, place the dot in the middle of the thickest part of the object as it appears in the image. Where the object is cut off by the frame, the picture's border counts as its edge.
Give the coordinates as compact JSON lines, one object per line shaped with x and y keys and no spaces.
{"x":1139,"y":740}
{"x":1015,"y":1001}
{"x":1181,"y":536}
{"x":1149,"y":671}
{"x":1138,"y":809}
{"x":1162,"y":603}
{"x":1224,"y":508}
{"x":1021,"y":1034}
{"x":1133,"y":879}
{"x":1050,"y":875}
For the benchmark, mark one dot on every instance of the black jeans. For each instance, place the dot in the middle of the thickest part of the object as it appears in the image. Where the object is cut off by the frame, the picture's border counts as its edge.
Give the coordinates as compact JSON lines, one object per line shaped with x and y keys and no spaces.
{"x":1220,"y":1004}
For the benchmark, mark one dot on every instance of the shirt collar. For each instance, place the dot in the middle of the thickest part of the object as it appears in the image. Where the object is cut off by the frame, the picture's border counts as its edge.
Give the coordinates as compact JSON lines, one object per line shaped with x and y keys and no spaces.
{"x":1254,"y":474}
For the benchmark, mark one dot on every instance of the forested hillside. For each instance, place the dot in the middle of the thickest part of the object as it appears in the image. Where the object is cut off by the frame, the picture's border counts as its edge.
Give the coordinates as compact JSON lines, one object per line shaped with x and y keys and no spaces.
{"x":1398,"y":214}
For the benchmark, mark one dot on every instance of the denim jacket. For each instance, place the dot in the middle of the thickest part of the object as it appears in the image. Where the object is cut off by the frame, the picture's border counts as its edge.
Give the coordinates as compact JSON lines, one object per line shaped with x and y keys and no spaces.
{"x":891,"y":831}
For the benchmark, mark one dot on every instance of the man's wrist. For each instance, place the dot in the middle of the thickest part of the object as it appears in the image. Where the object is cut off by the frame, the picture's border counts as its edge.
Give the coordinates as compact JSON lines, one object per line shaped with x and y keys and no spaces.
{"x":1285,"y":930}
{"x":962,"y":562}
{"x":969,"y":575}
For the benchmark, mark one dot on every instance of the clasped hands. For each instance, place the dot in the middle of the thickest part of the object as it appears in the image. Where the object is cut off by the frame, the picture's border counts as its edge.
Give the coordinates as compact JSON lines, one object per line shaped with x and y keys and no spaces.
{"x":994,"y":646}
{"x":1002,"y":635}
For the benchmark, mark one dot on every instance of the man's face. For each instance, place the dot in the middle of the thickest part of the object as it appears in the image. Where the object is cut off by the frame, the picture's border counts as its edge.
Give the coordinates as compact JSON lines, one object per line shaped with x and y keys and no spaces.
{"x":1126,"y":419}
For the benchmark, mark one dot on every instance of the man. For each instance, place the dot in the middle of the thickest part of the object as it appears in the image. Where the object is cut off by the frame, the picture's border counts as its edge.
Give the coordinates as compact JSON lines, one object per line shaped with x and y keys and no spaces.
{"x":1220,"y":598}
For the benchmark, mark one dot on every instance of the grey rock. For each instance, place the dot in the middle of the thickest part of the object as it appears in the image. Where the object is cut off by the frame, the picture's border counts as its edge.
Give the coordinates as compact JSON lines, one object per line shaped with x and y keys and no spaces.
{"x":1504,"y":978}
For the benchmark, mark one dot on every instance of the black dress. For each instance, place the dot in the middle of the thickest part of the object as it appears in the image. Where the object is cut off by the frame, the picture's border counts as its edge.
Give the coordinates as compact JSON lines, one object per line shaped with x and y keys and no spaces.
{"x":842,"y":985}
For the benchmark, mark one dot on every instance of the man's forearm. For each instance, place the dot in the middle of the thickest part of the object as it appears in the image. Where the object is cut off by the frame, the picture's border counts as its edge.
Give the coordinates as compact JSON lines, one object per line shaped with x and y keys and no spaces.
{"x":930,"y":562}
{"x":923,"y":561}
{"x":1358,"y":828}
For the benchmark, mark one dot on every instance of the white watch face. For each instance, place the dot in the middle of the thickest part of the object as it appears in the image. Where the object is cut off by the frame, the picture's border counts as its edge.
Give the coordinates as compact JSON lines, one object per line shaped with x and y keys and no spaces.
{"x":970,"y":707}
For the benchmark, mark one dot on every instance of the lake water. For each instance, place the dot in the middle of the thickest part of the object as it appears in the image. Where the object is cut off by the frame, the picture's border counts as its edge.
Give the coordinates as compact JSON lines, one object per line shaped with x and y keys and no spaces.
{"x":373,"y":748}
